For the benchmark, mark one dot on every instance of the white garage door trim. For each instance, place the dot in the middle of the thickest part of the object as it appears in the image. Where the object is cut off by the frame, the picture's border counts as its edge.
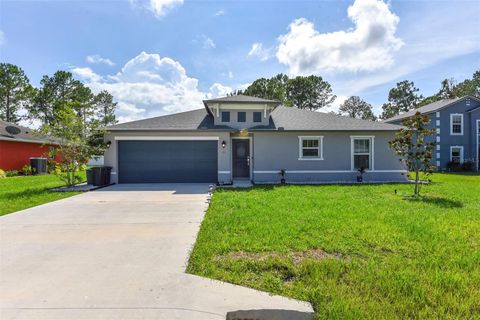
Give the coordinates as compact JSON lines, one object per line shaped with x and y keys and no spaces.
{"x":165,"y":138}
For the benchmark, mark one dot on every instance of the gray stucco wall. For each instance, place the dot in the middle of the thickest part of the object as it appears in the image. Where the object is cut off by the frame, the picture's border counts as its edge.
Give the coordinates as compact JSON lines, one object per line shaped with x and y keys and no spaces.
{"x":223,"y":153}
{"x":273,"y":151}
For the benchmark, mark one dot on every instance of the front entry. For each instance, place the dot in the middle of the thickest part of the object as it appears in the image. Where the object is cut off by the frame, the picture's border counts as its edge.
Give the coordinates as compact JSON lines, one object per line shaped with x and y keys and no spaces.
{"x":241,"y":158}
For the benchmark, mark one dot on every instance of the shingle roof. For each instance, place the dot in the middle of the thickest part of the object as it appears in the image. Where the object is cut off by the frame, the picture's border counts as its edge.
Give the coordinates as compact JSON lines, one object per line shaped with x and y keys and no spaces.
{"x":295,"y":119}
{"x":189,"y":120}
{"x":25,"y":135}
{"x":431,"y":107}
{"x":282,"y":117}
{"x":240,"y":99}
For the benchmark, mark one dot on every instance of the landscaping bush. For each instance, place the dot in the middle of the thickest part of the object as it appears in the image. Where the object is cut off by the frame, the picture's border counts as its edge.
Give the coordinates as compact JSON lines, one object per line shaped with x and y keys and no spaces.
{"x":454,"y":166}
{"x":2,"y":174}
{"x":468,"y":165}
{"x":11,"y":173}
{"x":26,"y":170}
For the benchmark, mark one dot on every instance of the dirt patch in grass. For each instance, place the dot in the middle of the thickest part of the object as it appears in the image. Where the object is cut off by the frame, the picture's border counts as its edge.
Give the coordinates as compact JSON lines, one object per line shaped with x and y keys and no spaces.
{"x":297,"y":257}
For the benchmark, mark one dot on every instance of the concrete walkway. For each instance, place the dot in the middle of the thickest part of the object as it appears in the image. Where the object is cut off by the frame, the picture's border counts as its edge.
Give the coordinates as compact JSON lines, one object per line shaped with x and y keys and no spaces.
{"x":115,"y":253}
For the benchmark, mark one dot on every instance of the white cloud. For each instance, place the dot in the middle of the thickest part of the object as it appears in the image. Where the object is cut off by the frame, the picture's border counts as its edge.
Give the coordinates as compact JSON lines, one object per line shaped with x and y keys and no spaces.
{"x":230,"y":74}
{"x":3,"y":39}
{"x":158,"y":7}
{"x":367,"y":47}
{"x":334,"y":107}
{"x":422,"y":49}
{"x":219,"y":13}
{"x":219,"y":90}
{"x":208,"y":42}
{"x":96,"y":58}
{"x":86,"y":74}
{"x":150,"y":85}
{"x":260,"y":52}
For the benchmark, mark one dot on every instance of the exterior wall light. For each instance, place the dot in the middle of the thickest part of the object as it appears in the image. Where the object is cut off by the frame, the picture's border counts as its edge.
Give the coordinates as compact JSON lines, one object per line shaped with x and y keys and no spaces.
{"x":109,"y":143}
{"x":224,"y":144}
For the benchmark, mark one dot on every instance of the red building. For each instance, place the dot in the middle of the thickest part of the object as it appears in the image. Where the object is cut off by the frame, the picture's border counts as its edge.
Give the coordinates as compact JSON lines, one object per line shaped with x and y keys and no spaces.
{"x":17,"y":146}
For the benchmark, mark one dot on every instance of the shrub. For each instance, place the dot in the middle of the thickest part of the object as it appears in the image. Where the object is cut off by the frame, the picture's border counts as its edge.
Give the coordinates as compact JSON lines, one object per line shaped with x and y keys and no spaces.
{"x":2,"y":174}
{"x":11,"y":173}
{"x":454,"y":166}
{"x":27,"y":170}
{"x":468,"y":165}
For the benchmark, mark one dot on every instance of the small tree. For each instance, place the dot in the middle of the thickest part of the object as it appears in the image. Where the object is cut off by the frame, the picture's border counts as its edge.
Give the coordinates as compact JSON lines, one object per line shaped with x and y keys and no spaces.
{"x":411,"y":145}
{"x":73,"y":134}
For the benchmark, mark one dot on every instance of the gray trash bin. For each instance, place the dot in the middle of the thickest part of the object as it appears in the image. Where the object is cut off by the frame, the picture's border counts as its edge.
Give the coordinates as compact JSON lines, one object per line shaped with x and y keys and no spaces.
{"x":101,"y":175}
{"x":89,"y":173}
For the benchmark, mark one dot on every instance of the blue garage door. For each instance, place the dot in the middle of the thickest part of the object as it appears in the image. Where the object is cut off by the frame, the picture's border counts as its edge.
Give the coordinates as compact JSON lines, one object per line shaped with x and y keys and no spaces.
{"x":167,"y":161}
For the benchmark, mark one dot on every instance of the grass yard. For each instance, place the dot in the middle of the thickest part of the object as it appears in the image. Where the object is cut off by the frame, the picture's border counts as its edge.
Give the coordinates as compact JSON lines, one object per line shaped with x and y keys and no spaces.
{"x":22,"y":192}
{"x":354,"y":252}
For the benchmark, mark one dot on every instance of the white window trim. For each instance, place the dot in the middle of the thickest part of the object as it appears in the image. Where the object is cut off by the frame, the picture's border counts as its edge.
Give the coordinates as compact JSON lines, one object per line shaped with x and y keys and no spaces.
{"x":320,"y":147}
{"x":461,"y":153}
{"x":165,"y":138}
{"x":371,"y":153}
{"x":451,"y":124}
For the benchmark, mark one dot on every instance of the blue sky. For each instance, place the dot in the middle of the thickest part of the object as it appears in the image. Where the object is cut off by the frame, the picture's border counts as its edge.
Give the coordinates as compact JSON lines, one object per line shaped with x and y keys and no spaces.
{"x":163,"y":56}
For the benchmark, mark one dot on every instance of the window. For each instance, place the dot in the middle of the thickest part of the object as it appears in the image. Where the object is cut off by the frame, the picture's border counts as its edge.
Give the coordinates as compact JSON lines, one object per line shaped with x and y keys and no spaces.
{"x":241,"y":116}
{"x":225,"y":116}
{"x":257,"y":117}
{"x":456,"y":124}
{"x":362,"y":149}
{"x":456,"y":154}
{"x":310,"y":148}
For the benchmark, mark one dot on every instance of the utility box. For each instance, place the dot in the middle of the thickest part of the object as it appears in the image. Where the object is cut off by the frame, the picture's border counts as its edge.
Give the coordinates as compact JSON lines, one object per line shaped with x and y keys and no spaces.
{"x":39,"y":165}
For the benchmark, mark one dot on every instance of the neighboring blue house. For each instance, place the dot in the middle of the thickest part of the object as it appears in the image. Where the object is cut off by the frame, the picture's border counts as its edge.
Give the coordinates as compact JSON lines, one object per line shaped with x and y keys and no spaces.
{"x":457,"y":122}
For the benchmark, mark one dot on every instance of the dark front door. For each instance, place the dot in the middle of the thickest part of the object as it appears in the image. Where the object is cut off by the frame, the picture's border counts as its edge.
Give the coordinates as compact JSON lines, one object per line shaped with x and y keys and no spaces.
{"x":241,"y":158}
{"x":167,"y":161}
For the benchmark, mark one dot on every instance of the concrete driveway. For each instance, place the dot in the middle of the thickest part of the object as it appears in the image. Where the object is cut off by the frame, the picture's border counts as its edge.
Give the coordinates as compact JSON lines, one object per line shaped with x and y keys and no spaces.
{"x":116,"y":253}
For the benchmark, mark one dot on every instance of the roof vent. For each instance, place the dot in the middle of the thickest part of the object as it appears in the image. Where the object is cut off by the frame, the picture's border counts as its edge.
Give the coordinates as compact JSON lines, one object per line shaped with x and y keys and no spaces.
{"x":281,"y":128}
{"x":12,"y":130}
{"x":468,"y":102}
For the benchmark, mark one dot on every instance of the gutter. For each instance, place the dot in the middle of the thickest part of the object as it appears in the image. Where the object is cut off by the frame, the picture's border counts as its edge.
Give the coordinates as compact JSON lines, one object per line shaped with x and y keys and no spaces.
{"x":29,"y":141}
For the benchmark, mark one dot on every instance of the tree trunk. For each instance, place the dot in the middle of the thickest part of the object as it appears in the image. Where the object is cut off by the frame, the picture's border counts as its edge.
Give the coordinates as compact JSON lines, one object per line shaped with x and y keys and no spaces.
{"x":417,"y":178}
{"x":7,"y":116}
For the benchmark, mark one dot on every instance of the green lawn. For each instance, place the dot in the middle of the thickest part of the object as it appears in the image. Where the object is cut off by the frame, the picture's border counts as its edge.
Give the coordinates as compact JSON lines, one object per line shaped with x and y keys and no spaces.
{"x":18,"y":193}
{"x":354,"y":252}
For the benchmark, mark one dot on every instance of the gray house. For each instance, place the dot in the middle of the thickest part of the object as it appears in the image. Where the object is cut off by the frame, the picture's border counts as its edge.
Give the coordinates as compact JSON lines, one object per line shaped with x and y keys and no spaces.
{"x":457,"y":124}
{"x":243,"y":137}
